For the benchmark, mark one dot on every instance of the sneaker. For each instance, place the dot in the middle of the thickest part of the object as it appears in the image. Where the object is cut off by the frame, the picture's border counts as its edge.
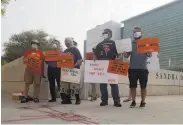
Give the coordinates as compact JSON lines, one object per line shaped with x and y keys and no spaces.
{"x":142,"y":104}
{"x":29,"y":98}
{"x":117,"y":104}
{"x":126,"y":100}
{"x":66,"y":102}
{"x":78,"y":102}
{"x":133,"y":104}
{"x":36,"y":100}
{"x":52,"y":100}
{"x":103,"y":103}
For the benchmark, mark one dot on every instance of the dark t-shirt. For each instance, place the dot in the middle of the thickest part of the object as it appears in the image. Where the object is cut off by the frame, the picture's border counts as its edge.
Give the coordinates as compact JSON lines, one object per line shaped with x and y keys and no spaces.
{"x":76,"y":54}
{"x":106,"y":50}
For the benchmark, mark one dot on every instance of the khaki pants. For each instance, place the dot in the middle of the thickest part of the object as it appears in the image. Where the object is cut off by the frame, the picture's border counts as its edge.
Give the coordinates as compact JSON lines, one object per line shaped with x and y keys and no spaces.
{"x":30,"y":78}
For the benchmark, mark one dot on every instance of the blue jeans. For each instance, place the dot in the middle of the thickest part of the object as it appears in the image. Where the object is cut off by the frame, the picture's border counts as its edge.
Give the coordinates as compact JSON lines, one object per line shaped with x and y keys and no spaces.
{"x":114,"y":92}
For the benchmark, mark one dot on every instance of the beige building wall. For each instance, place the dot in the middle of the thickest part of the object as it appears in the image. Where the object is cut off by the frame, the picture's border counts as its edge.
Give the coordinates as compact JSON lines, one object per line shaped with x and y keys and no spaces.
{"x":163,"y":82}
{"x":12,"y":77}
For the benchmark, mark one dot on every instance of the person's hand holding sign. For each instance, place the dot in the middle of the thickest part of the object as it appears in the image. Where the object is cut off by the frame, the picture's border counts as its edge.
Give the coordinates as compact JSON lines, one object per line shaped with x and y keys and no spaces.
{"x":149,"y":54}
{"x":126,"y":54}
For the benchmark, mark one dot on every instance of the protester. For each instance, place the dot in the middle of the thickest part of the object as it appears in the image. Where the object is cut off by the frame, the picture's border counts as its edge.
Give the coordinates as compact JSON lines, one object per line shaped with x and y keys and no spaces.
{"x":66,"y":95}
{"x":138,"y":69}
{"x":54,"y":74}
{"x":106,"y":50}
{"x":31,"y":76}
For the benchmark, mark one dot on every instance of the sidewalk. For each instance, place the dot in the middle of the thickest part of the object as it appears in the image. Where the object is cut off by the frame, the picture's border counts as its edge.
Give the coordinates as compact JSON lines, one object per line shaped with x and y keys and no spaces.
{"x":159,"y":109}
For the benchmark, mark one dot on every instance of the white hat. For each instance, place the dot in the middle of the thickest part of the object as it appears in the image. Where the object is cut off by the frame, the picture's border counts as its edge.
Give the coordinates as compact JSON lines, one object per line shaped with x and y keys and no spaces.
{"x":69,"y":39}
{"x":35,"y":42}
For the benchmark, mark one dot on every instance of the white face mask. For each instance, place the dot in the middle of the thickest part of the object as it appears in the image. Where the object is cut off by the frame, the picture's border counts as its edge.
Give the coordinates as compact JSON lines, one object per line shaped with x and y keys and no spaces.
{"x":105,"y":36}
{"x":34,"y":46}
{"x":54,"y":46}
{"x":137,"y":34}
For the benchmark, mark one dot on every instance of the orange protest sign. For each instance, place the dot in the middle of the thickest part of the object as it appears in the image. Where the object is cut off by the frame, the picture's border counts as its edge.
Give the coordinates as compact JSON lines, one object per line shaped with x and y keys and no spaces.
{"x":89,"y":56}
{"x":146,"y":45}
{"x":65,"y":61}
{"x":118,"y":67}
{"x":52,"y":55}
{"x":34,"y":62}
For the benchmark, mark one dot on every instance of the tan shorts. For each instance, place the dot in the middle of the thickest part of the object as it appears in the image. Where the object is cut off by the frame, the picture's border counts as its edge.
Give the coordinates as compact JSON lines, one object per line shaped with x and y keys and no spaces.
{"x":31,"y":77}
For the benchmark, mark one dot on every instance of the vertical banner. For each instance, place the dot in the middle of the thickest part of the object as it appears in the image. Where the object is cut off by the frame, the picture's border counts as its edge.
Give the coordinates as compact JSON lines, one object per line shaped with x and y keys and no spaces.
{"x":146,"y":45}
{"x":96,"y":72}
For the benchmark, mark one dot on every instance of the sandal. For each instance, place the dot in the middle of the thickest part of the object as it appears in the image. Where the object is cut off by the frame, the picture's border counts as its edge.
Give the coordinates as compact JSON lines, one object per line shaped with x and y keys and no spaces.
{"x":24,"y":100}
{"x":36,"y":100}
{"x":126,"y":100}
{"x":93,"y":98}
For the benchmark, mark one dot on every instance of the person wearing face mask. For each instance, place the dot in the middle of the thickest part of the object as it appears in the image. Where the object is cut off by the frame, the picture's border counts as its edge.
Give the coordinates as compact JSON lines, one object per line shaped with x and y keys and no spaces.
{"x":71,"y":49}
{"x":138,"y":69}
{"x":106,"y":50}
{"x":31,"y":76}
{"x":75,"y":43}
{"x":53,"y":74}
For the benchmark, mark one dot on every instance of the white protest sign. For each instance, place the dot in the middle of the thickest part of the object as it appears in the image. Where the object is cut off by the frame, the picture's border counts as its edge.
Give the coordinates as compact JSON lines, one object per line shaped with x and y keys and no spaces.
{"x":153,"y":63}
{"x":123,"y":45}
{"x":96,"y":72}
{"x":70,"y":75}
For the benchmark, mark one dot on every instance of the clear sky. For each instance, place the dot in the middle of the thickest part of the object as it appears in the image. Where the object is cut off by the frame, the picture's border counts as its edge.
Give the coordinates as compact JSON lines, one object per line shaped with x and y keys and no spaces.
{"x":69,"y":18}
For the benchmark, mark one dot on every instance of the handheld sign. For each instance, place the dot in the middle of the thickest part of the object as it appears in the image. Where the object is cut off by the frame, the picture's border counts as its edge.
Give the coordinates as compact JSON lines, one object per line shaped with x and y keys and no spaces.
{"x":34,"y":62}
{"x":70,"y":75}
{"x":123,"y":45}
{"x":118,"y":67}
{"x":146,"y":45}
{"x":65,"y":61}
{"x":52,"y":55}
{"x":89,"y":56}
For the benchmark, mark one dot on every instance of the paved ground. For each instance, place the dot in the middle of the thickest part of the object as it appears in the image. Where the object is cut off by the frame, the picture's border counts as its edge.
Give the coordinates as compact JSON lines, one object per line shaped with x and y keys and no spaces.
{"x":159,"y":109}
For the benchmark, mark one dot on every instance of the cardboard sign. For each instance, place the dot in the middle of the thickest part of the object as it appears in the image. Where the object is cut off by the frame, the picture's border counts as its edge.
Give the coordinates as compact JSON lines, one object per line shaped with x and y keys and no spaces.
{"x":34,"y":62}
{"x":123,"y":45}
{"x":146,"y":45}
{"x":153,"y":64}
{"x":70,"y":75}
{"x":96,"y":72}
{"x":52,"y":55}
{"x":118,"y":67}
{"x":90,"y":56}
{"x":65,"y":61}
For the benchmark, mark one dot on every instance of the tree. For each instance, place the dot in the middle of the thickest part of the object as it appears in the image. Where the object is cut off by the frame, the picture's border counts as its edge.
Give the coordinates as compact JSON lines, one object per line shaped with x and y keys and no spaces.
{"x":18,"y":43}
{"x":4,"y":3}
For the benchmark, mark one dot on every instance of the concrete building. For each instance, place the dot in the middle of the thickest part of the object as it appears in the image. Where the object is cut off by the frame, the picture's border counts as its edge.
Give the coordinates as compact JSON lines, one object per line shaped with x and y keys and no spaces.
{"x":165,"y":22}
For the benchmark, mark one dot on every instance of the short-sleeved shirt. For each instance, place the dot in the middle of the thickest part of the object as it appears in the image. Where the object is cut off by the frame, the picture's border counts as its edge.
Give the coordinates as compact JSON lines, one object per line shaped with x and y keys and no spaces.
{"x":76,"y":54}
{"x":137,"y":61}
{"x":39,"y":54}
{"x":106,"y":50}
